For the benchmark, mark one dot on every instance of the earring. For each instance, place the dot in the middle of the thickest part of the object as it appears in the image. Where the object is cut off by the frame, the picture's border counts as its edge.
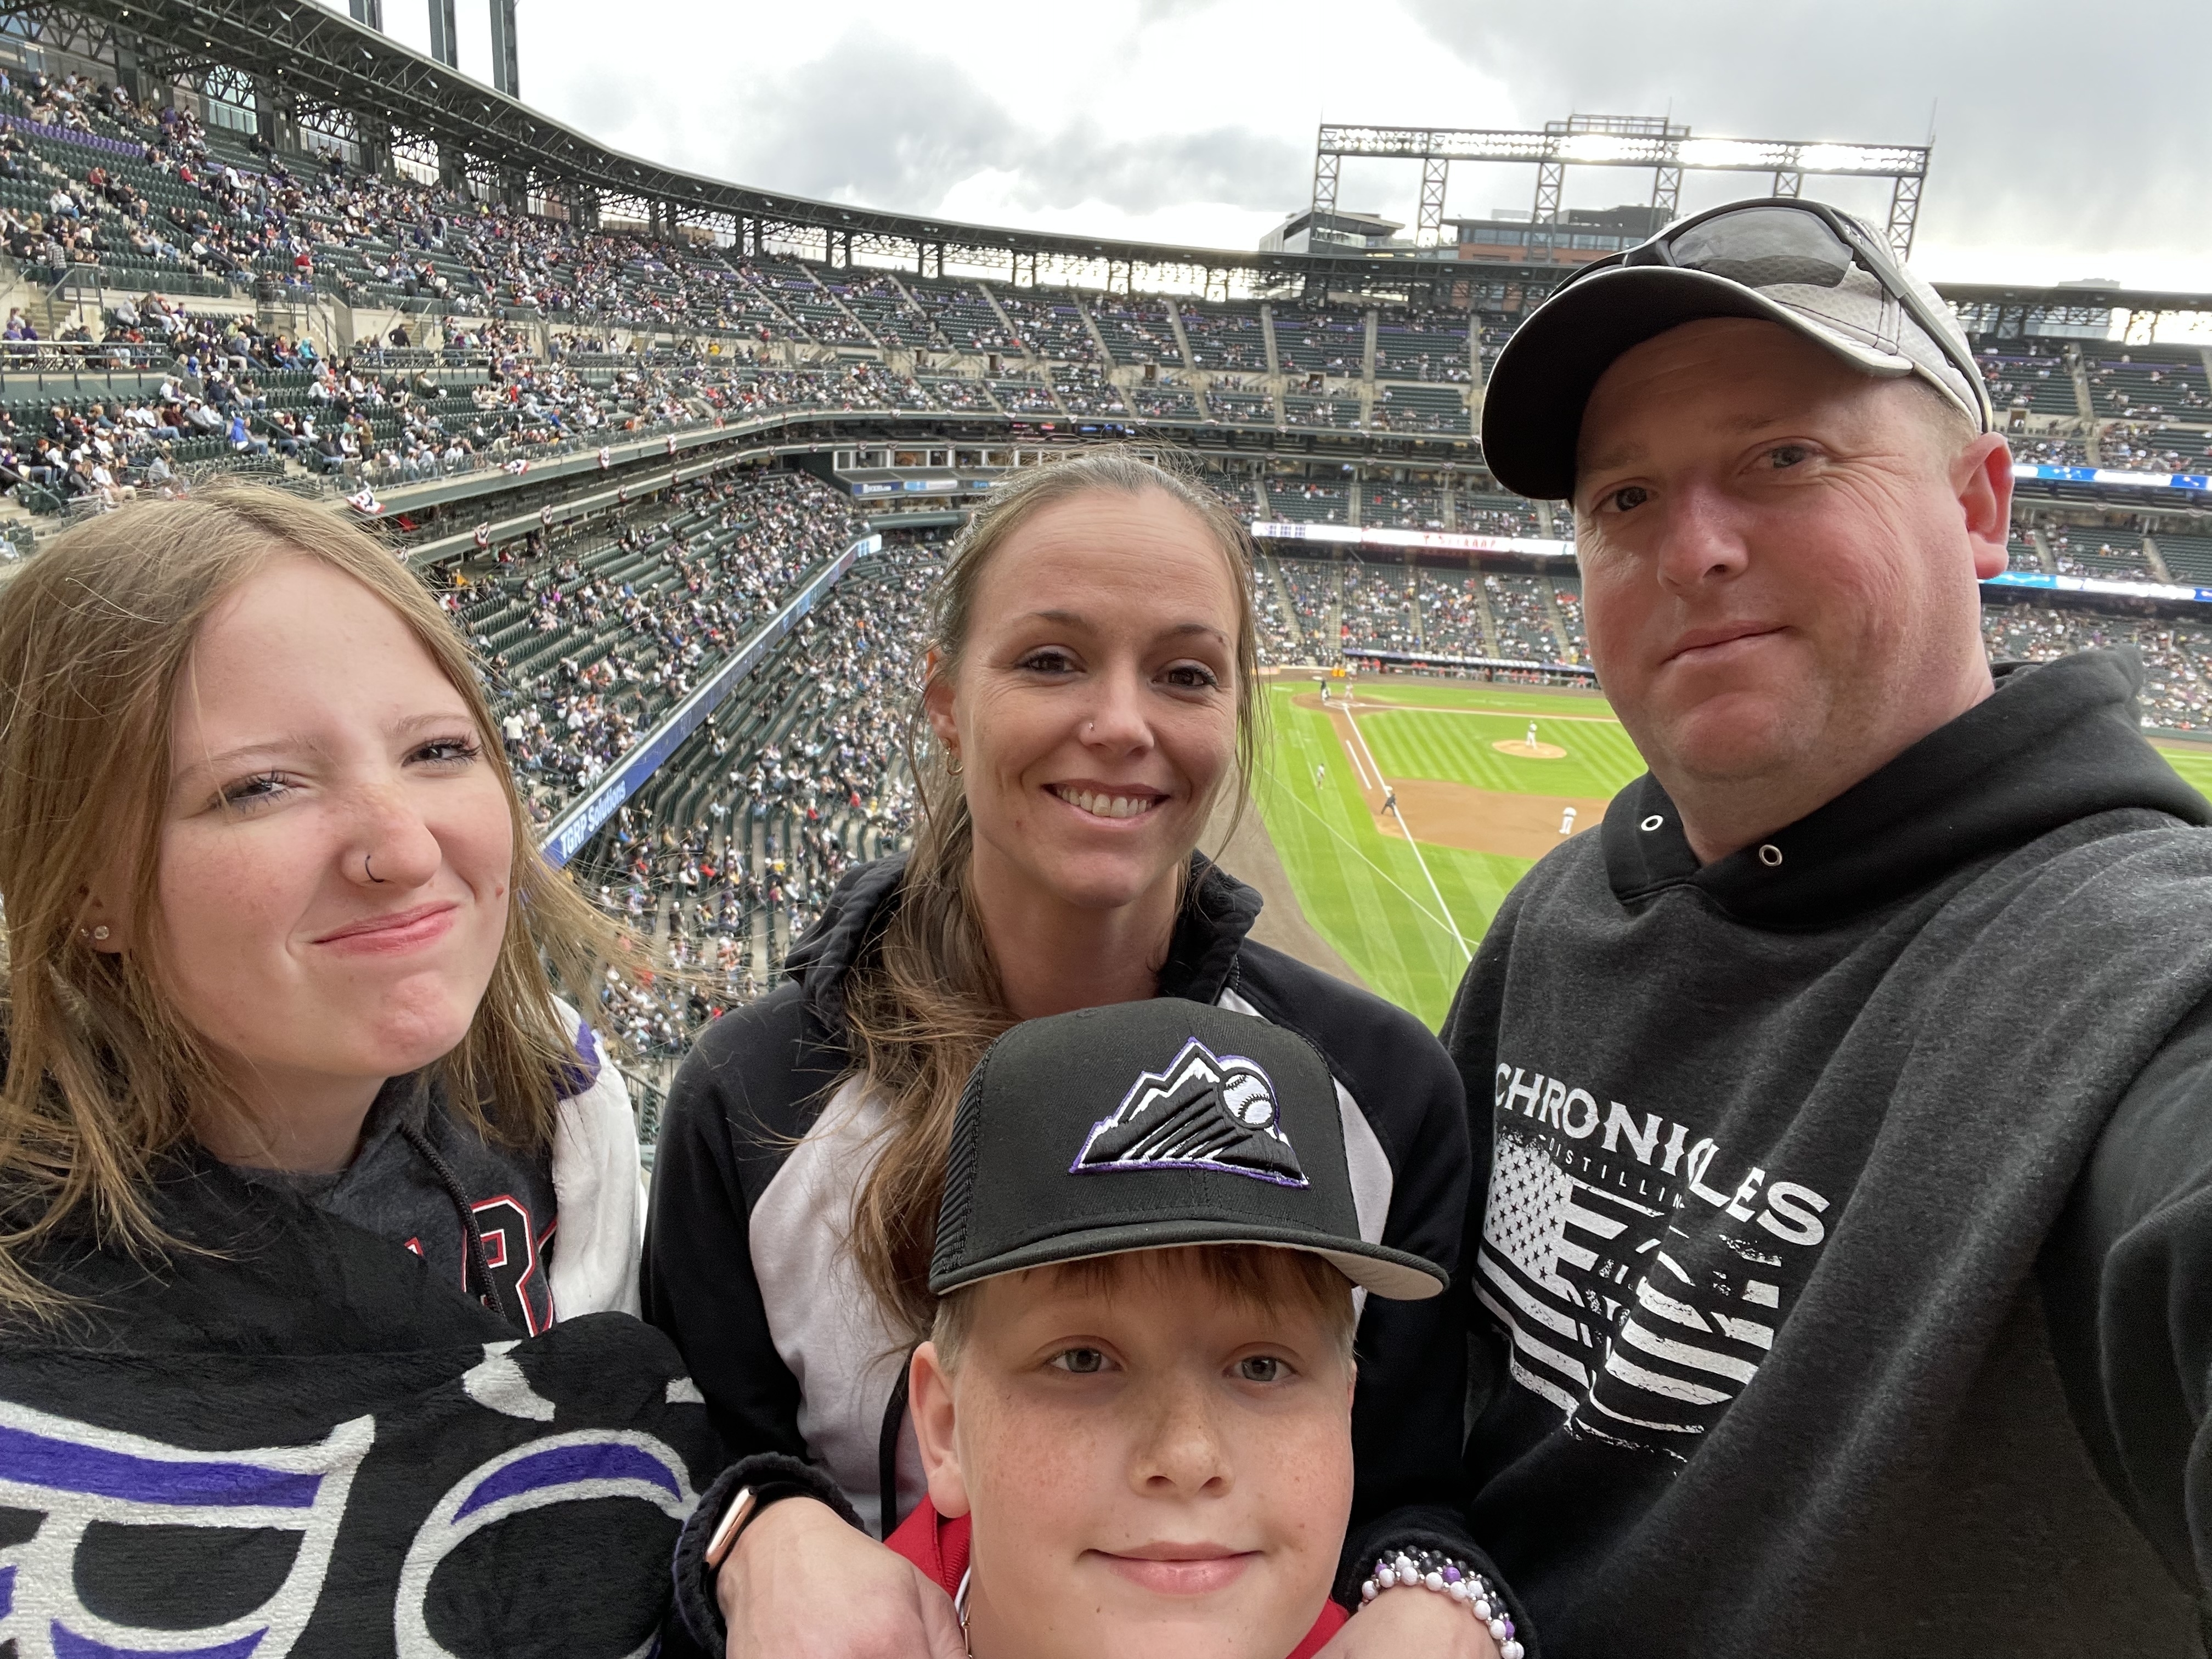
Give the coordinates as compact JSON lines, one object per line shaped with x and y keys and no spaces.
{"x":953,"y":766}
{"x":99,"y":933}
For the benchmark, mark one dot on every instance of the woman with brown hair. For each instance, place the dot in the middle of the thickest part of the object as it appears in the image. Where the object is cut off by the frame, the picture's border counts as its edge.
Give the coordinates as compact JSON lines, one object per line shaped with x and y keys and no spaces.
{"x":1090,"y":695}
{"x":290,"y":1353}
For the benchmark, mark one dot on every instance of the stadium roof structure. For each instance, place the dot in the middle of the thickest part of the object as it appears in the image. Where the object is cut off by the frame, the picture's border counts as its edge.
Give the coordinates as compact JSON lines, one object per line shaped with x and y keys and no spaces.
{"x":2008,"y":310}
{"x":334,"y":74}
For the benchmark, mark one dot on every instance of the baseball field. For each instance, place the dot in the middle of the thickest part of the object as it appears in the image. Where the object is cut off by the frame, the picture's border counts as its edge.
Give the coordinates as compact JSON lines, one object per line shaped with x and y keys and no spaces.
{"x":1402,"y":894}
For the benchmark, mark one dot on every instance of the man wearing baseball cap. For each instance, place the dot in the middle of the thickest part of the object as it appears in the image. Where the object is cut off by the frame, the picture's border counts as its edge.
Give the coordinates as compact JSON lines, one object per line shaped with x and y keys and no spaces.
{"x":1847,"y":1242}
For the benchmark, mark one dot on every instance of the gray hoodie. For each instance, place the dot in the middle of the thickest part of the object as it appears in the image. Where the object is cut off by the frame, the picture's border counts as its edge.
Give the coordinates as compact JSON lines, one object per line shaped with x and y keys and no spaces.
{"x":1847,"y":1251}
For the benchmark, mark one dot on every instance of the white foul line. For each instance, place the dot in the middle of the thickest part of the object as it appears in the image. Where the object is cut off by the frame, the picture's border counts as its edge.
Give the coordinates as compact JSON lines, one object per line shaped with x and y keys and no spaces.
{"x":1406,"y":830}
{"x":1365,"y":782}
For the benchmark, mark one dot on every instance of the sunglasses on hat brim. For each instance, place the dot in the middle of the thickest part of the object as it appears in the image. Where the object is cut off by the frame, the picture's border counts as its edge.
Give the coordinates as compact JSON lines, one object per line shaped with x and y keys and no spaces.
{"x":1813,"y":245}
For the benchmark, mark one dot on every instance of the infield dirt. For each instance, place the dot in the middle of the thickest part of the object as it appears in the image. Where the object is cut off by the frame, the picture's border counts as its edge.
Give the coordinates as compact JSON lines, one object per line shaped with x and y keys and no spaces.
{"x":1447,"y":814}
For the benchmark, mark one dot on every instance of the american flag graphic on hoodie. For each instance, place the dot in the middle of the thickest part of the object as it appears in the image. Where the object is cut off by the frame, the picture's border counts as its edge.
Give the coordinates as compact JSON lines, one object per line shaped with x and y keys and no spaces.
{"x":1640,"y":1290}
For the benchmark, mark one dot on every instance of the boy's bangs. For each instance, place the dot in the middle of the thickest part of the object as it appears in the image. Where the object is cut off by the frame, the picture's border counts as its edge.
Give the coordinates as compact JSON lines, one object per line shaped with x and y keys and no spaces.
{"x":1257,"y":1276}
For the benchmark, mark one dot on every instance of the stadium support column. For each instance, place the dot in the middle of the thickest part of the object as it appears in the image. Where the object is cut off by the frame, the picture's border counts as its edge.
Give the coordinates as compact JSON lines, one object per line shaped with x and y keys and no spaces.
{"x":271,"y":116}
{"x":1788,"y":185}
{"x":1551,"y":179}
{"x":1326,"y":163}
{"x":373,"y":137}
{"x":1667,"y":192}
{"x":504,"y":78}
{"x":1429,"y":223}
{"x":370,"y":12}
{"x":1904,"y":208}
{"x":445,"y":37}
{"x":130,"y":72}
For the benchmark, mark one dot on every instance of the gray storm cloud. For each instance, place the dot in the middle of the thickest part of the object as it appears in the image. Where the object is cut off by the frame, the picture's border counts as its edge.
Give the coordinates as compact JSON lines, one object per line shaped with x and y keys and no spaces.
{"x":879,"y":123}
{"x":2074,"y":128}
{"x":2058,"y":128}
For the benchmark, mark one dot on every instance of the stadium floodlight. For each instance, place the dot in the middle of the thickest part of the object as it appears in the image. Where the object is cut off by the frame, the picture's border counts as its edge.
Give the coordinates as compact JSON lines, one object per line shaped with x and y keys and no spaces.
{"x":1729,"y":153}
{"x":1655,"y":141}
{"x":1842,"y":158}
{"x":1599,"y":147}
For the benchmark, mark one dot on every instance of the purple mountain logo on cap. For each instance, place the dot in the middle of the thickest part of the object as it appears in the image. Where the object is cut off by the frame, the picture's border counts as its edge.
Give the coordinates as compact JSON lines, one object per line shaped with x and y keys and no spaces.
{"x":1205,"y":1112}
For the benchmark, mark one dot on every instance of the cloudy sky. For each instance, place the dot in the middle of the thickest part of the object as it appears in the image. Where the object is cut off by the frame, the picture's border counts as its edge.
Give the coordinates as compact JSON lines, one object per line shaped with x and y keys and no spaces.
{"x":2068,"y":144}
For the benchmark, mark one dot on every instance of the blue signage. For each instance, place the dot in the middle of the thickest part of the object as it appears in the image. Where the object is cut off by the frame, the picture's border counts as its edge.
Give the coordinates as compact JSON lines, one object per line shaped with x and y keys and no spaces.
{"x":2126,"y":589}
{"x":568,"y":832}
{"x":2105,"y":475}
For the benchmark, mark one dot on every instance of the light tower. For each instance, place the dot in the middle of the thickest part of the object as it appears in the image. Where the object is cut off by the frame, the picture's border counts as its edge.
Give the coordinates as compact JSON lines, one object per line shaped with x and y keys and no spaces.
{"x":445,"y":37}
{"x":503,"y":75}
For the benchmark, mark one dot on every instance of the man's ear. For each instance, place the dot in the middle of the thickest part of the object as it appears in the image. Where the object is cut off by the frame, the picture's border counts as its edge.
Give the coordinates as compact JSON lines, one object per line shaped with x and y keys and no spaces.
{"x":1983,"y":477}
{"x":929,"y":1403}
{"x":937,"y":702}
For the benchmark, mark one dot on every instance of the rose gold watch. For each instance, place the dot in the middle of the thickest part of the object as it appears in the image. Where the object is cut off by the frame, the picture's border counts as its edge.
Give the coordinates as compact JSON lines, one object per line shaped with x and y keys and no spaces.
{"x":743,"y":1509}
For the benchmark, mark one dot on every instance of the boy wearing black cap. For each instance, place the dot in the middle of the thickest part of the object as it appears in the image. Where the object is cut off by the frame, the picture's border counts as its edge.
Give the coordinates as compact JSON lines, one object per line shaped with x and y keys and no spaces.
{"x":1135,"y":1411}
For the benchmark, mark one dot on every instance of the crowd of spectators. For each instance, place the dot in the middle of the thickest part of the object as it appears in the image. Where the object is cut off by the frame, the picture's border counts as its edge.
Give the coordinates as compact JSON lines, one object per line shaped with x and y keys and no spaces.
{"x":2177,"y":655}
{"x":756,"y":817}
{"x":1380,"y":607}
{"x":589,"y":643}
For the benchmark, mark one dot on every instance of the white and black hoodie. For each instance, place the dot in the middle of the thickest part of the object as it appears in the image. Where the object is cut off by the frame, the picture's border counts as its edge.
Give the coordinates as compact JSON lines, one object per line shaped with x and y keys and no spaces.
{"x":766,"y":1142}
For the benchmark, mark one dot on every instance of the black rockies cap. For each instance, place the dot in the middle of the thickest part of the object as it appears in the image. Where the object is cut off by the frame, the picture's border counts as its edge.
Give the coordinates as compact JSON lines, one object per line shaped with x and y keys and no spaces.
{"x":1148,"y":1125}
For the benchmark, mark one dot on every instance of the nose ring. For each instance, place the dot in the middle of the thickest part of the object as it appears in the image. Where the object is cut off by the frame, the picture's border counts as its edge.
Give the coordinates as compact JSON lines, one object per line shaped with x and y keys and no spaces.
{"x":370,"y":873}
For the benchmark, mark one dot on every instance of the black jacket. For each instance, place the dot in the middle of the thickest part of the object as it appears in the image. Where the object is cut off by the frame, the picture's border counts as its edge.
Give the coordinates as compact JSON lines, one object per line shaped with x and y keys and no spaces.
{"x":762,"y":1149}
{"x":295,"y":1429}
{"x":1848,"y":1238}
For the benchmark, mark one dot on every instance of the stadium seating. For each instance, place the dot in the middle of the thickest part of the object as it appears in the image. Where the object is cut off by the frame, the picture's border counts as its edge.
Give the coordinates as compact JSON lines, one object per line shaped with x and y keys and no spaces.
{"x":1312,"y":584}
{"x":1489,"y":513}
{"x":1401,"y":506}
{"x":2188,"y":557}
{"x":1454,"y":619}
{"x":2148,"y":382}
{"x":1428,"y":409}
{"x":590,"y":644}
{"x":1137,"y":330}
{"x":1320,"y":342}
{"x":1301,"y":501}
{"x":728,"y":852}
{"x":1226,"y":337}
{"x":2178,"y":655}
{"x":1337,"y":412}
{"x":1380,"y":607}
{"x":2031,"y":375}
{"x":1414,"y":347}
{"x":1167,"y":399}
{"x":1051,"y":327}
{"x":1243,"y":402}
{"x":2101,"y":551}
{"x":1520,"y":605}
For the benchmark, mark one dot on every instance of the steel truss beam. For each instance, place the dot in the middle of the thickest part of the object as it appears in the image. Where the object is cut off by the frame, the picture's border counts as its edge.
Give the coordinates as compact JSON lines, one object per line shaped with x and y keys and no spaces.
{"x":1612,"y":141}
{"x":1429,"y":226}
{"x":1904,"y":208}
{"x":1668,"y":149}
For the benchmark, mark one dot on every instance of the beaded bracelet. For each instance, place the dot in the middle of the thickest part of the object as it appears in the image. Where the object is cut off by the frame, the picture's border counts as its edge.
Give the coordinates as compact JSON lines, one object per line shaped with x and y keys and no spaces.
{"x":1430,"y":1569}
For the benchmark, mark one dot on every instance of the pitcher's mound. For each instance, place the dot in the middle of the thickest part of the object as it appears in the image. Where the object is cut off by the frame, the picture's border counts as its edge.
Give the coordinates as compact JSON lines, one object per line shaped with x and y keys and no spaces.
{"x":1517,"y":748}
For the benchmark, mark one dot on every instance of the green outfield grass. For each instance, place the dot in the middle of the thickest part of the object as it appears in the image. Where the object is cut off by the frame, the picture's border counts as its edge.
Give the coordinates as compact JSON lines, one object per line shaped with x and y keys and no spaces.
{"x":1365,"y":891}
{"x":2192,"y":761}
